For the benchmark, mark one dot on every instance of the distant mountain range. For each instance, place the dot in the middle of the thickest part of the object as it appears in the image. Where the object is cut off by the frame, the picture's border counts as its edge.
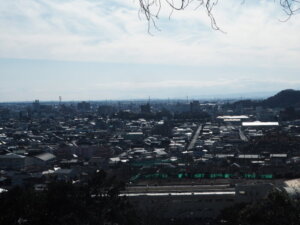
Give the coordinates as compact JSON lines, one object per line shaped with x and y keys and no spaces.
{"x":283,"y":99}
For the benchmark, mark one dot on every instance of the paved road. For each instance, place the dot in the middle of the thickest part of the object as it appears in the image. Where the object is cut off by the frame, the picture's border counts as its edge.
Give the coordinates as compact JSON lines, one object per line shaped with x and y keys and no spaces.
{"x":193,"y":142}
{"x":243,"y":136}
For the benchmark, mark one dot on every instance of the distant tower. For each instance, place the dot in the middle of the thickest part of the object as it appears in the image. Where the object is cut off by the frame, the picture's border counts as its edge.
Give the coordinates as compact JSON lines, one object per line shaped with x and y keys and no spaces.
{"x":60,"y":100}
{"x":36,"y":105}
{"x":146,"y":108}
{"x":195,"y":106}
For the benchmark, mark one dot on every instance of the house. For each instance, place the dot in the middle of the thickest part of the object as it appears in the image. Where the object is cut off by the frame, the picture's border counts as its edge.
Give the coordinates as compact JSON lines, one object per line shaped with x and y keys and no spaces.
{"x":12,"y":161}
{"x":65,"y":174}
{"x":42,"y":160}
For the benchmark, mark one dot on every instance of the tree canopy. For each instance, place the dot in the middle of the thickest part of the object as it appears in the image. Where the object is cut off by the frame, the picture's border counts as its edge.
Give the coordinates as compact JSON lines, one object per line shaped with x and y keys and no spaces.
{"x":276,"y":209}
{"x":62,"y":203}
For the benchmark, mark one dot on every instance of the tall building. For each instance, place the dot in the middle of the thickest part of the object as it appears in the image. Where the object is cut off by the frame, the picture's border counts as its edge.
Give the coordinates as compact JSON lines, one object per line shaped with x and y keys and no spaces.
{"x":195,"y":106}
{"x":36,"y":106}
{"x":84,"y":106}
{"x":146,"y":108}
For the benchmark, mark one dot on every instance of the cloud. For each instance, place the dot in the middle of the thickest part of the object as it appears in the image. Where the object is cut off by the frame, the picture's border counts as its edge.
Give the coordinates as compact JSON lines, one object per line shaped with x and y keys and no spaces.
{"x":90,"y":30}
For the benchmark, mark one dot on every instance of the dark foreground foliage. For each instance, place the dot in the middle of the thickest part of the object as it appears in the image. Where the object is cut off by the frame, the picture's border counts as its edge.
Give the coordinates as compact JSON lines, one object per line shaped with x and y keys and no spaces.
{"x":96,"y":202}
{"x":276,"y":209}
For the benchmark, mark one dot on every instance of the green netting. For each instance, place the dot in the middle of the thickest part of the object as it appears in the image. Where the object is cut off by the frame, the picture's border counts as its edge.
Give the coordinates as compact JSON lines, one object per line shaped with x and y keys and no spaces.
{"x":182,"y":175}
{"x":156,"y":175}
{"x":250,"y":176}
{"x":215,"y":175}
{"x":226,"y":175}
{"x":266,"y":176}
{"x":199,"y":175}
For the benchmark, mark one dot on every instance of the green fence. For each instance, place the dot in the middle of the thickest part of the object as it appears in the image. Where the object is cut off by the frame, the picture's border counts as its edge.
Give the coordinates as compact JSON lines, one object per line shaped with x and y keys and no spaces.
{"x":201,"y":176}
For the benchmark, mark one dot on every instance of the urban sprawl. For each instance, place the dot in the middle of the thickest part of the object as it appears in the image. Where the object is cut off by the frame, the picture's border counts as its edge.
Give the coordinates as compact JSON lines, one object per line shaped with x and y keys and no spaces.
{"x":193,"y":157}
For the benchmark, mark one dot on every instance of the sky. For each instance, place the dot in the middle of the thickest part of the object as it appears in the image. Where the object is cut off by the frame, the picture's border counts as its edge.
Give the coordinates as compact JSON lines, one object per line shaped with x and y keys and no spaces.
{"x":99,"y":50}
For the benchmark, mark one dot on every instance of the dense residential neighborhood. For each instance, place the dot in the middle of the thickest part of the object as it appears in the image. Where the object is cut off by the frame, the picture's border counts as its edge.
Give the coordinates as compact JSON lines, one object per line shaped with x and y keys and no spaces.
{"x":174,"y":153}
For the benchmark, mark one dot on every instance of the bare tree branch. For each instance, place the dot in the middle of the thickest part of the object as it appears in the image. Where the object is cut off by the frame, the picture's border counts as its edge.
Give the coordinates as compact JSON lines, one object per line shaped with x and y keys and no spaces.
{"x":152,"y":8}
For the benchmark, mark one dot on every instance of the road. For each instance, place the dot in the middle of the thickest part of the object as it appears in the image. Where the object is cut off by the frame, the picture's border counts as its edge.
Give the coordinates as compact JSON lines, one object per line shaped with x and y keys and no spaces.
{"x":194,"y":139}
{"x":243,"y":136}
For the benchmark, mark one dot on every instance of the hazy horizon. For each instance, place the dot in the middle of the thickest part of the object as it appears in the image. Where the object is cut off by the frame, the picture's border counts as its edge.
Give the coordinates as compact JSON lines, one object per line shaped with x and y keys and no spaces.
{"x":229,"y":97}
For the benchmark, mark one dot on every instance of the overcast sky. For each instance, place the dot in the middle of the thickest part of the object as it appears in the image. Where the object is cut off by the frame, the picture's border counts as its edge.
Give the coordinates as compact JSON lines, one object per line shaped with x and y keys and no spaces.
{"x":100,"y":49}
